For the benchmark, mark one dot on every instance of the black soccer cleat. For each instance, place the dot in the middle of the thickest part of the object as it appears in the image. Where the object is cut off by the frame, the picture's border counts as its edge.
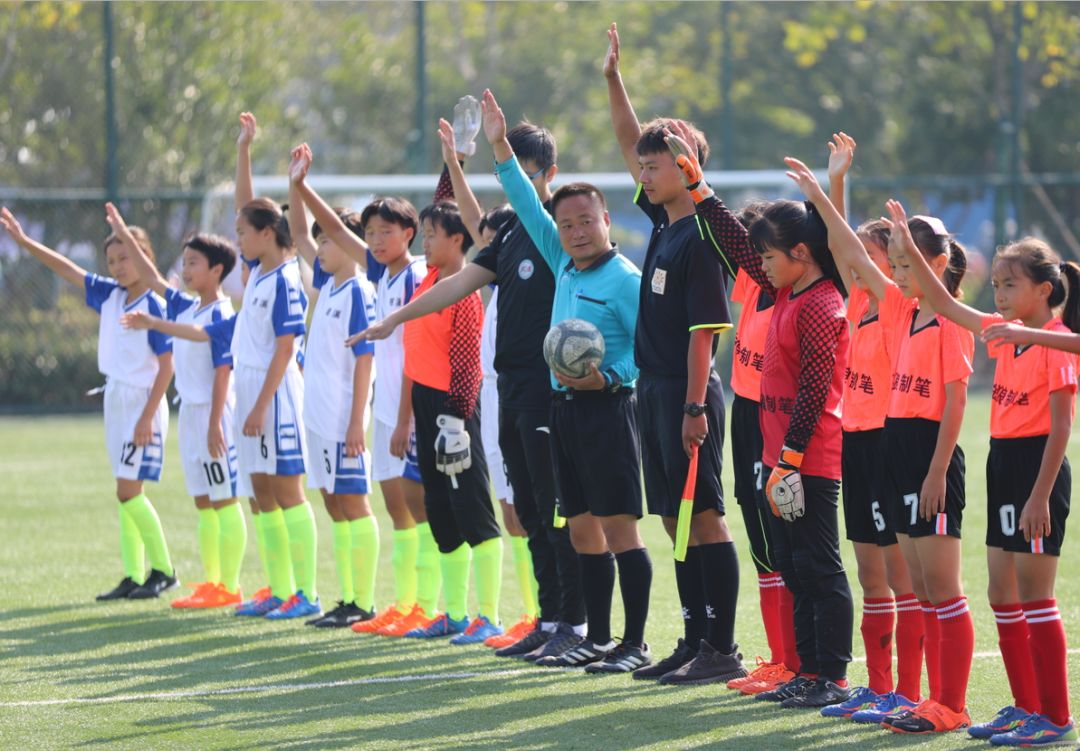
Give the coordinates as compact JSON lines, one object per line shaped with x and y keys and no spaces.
{"x":523,"y":646}
{"x":344,"y":616}
{"x":784,"y":691}
{"x":155,"y":584}
{"x":818,"y":693}
{"x":562,"y":639}
{"x":709,"y":666}
{"x":683,"y":654}
{"x":585,"y":652}
{"x":625,"y":658}
{"x":121,"y":591}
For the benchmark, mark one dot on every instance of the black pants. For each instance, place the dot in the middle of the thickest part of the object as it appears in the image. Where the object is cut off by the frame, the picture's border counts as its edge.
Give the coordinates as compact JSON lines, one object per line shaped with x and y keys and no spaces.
{"x":807,"y":554}
{"x":746,"y":448}
{"x":525,"y":441}
{"x":456,"y":515}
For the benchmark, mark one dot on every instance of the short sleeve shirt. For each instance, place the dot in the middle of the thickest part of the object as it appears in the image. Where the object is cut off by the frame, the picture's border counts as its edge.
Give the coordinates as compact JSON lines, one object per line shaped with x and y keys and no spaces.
{"x":126,"y":355}
{"x":196,"y":362}
{"x":868,"y":376}
{"x":274,"y":305}
{"x":748,"y":355}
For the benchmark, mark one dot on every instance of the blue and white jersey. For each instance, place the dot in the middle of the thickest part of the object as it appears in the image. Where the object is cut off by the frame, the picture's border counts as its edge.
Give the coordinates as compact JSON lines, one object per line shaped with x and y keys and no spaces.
{"x":126,"y":355}
{"x":195,"y":362}
{"x":340,"y":311}
{"x":392,"y":293}
{"x":274,"y":305}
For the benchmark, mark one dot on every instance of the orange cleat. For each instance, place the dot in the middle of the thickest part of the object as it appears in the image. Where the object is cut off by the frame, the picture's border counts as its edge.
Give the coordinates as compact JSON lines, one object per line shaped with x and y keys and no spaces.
{"x":930,"y":717}
{"x":193,"y":600}
{"x":765,"y":677}
{"x":385,"y":618}
{"x":219,"y":597}
{"x":414,"y":619}
{"x":515,"y":633}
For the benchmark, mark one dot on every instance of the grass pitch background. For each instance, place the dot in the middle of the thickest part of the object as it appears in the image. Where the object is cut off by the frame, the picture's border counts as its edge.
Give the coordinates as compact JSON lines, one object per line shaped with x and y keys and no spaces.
{"x":77,"y":674}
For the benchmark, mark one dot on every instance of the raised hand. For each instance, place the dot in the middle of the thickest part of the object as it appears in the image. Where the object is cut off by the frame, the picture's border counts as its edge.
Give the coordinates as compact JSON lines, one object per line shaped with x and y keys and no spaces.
{"x":248,"y":128}
{"x":115,"y":219}
{"x":678,"y":139}
{"x":611,"y":59}
{"x":11,"y":226}
{"x":805,"y":179}
{"x":448,"y":139}
{"x":494,"y":120}
{"x":467,"y":120}
{"x":299,"y":163}
{"x":900,"y":239}
{"x":841,"y":154}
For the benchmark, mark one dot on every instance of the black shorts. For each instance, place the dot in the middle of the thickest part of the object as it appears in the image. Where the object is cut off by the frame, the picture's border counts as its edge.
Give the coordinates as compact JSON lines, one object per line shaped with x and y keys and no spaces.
{"x":864,"y":489}
{"x":908,"y":447}
{"x":665,"y":463}
{"x":1011,"y":469}
{"x":594,"y":446}
{"x":746,"y":448}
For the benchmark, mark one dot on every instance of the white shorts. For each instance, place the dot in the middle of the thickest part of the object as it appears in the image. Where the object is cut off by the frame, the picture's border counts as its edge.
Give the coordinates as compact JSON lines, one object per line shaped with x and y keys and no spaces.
{"x":331,"y":470}
{"x":203,"y":474}
{"x":124,"y":406}
{"x":386,"y":466}
{"x":280,"y":449}
{"x":489,"y":434}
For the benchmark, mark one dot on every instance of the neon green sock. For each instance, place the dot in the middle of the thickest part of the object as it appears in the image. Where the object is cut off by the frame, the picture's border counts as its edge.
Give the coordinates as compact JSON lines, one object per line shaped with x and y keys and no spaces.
{"x":487,"y":565}
{"x":303,"y":546}
{"x":404,"y":559}
{"x":260,"y":544}
{"x":455,"y":571}
{"x":232,"y":544}
{"x":524,"y":570}
{"x":428,"y":570}
{"x":209,"y":536}
{"x":365,"y":560}
{"x":278,"y":557}
{"x":153,"y":536}
{"x":343,"y":559}
{"x":131,"y":548}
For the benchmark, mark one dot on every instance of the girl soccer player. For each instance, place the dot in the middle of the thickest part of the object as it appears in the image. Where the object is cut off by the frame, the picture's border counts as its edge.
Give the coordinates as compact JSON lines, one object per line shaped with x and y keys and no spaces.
{"x":1028,"y":479}
{"x":785,"y":252}
{"x":924,"y":467}
{"x":137,"y":368}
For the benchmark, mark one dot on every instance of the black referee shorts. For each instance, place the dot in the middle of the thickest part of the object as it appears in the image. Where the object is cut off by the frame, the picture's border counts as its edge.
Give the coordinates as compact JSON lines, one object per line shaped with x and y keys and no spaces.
{"x":908,"y":447}
{"x":594,"y":444}
{"x":865,"y":488}
{"x":456,"y":515}
{"x":660,"y":415}
{"x":1011,"y":469}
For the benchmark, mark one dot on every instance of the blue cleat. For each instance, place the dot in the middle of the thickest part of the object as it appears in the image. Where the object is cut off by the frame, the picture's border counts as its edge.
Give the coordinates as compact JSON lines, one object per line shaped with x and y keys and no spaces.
{"x":1037,"y":730}
{"x":439,"y":626}
{"x":861,"y":698}
{"x":887,"y":704}
{"x":1009,"y":718}
{"x":481,"y":628}
{"x":297,"y":606}
{"x":259,"y":608}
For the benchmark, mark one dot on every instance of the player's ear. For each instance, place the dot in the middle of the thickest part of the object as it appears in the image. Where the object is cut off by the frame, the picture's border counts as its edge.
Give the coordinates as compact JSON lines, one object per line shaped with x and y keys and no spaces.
{"x":410,"y":235}
{"x":799,"y":252}
{"x":551,"y":172}
{"x":607,"y":218}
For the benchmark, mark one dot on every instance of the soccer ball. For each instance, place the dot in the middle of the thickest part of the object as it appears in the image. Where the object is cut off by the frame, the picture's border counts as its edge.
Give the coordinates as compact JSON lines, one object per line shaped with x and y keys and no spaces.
{"x":571,"y":346}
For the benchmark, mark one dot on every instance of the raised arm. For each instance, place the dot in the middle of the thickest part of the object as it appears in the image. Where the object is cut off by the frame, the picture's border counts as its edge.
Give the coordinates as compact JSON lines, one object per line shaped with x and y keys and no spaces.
{"x":148,"y":272}
{"x":138,"y":319}
{"x":329,"y":221}
{"x":841,"y":155}
{"x":299,"y":226}
{"x":466,"y":200}
{"x":935,"y":292}
{"x":623,"y":119}
{"x":844,"y":244}
{"x":60,"y":265}
{"x":244,"y":192}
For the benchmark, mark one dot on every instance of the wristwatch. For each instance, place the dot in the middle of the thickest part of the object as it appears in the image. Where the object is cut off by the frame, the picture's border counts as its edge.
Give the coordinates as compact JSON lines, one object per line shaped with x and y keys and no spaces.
{"x":694,"y":410}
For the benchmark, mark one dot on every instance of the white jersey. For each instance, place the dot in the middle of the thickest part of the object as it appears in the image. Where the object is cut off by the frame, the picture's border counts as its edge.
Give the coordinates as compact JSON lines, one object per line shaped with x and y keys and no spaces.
{"x":487,"y":336}
{"x":195,"y":362}
{"x":340,"y":312}
{"x":126,"y":355}
{"x":393,"y":292}
{"x":274,"y":305}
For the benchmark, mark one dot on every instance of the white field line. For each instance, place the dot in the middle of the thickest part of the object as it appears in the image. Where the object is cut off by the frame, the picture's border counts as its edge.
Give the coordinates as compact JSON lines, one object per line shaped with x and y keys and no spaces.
{"x":280,"y":687}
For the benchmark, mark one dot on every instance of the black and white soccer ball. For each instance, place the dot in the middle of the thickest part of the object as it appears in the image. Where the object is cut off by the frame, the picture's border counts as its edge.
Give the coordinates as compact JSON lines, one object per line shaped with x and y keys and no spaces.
{"x":572,"y":345}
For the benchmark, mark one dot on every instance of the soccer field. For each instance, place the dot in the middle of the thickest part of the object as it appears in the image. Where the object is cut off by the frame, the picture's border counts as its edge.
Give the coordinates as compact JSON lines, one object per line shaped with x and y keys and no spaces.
{"x":75,"y":673}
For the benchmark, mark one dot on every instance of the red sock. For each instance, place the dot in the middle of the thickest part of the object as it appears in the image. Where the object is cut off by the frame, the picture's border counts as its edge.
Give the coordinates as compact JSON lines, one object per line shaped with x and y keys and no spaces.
{"x":931,"y":648}
{"x":957,"y":649}
{"x":769,"y":586}
{"x":1048,"y":655}
{"x":909,"y":646}
{"x":1016,"y":653}
{"x":787,"y":628}
{"x":878,"y":620}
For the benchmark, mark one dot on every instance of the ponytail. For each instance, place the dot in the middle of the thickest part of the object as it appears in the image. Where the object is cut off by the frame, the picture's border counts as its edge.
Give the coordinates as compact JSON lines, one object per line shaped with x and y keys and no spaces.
{"x":933,"y":240}
{"x":263,"y":213}
{"x":954,"y":271}
{"x":1069,"y":292}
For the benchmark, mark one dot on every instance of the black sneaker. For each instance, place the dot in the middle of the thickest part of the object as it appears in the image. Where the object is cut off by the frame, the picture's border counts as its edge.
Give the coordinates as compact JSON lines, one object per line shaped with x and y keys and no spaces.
{"x":585,"y":652}
{"x":335,"y":611}
{"x":819,"y":692}
{"x":531,"y":641}
{"x":683,"y":654}
{"x":625,"y":658}
{"x":155,"y":584}
{"x":560,"y":640}
{"x":121,"y":591}
{"x":794,"y":687}
{"x":343,"y":616}
{"x":710,"y":666}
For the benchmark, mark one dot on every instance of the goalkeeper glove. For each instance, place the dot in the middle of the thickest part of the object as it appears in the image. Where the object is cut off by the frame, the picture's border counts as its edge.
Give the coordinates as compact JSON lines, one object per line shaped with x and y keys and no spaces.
{"x":692,"y":176}
{"x":467,"y":122}
{"x":452,"y":454}
{"x":784,"y":489}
